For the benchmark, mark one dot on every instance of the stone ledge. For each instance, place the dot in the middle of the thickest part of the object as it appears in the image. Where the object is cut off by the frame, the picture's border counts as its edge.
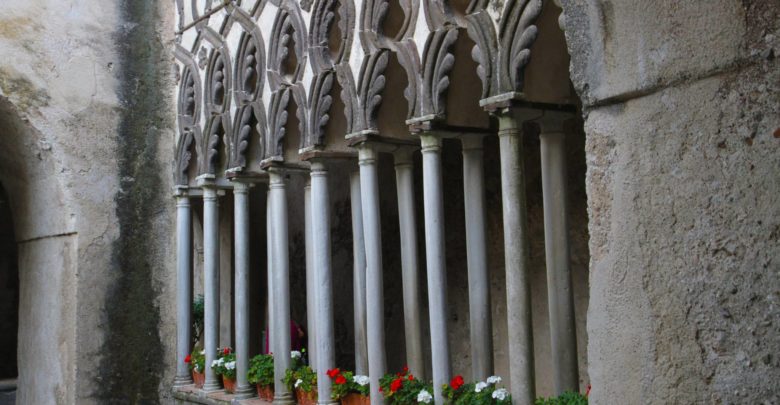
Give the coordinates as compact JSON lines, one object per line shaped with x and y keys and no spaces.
{"x":189,"y":394}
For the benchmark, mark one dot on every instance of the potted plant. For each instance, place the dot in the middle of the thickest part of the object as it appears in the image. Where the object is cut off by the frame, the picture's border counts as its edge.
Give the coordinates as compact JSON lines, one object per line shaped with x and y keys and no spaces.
{"x":303,"y":382}
{"x":225,"y":367}
{"x":350,"y":389}
{"x":197,"y":364}
{"x":403,"y":389}
{"x":479,"y":393}
{"x":261,"y":373}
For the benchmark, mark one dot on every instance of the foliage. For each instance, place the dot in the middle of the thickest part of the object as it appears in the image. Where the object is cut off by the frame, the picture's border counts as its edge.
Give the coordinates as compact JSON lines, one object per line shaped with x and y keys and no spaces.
{"x":403,"y":389}
{"x":261,"y":370}
{"x":567,"y":398}
{"x":196,"y":361}
{"x":345,"y":382}
{"x":304,"y":378}
{"x":487,"y":392}
{"x":225,"y":366}
{"x":197,"y":318}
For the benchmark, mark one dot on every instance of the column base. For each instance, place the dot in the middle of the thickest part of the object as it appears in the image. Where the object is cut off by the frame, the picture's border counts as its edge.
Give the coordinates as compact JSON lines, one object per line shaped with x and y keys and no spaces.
{"x":245,"y":392}
{"x":182,"y":380}
{"x":211,"y":386}
{"x":284,"y":399}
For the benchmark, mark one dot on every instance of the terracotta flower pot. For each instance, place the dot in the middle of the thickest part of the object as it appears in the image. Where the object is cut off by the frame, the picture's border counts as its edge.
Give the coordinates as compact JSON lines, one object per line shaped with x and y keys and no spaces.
{"x":199,"y":378}
{"x":306,"y":398}
{"x":229,"y":383}
{"x":355,"y":399}
{"x":265,"y":392}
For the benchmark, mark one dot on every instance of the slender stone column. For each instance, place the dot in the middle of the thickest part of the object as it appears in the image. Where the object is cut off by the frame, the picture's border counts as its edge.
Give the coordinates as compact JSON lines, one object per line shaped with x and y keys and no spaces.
{"x":437,"y":271}
{"x":359,"y":276}
{"x":518,"y":290}
{"x":556,"y":242}
{"x":281,"y":334}
{"x":311,"y":277}
{"x":210,"y":280}
{"x":369,"y":187}
{"x":404,"y":178}
{"x":480,"y":320}
{"x":269,"y":236}
{"x":320,"y":224}
{"x":183,"y":287}
{"x":241,"y":280}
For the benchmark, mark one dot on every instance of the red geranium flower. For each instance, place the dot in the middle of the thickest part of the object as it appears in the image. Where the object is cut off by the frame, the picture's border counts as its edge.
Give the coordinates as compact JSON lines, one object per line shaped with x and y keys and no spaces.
{"x":226,"y":351}
{"x":457,"y":382}
{"x":411,"y":377}
{"x":341,"y":380}
{"x":405,"y":370}
{"x":396,"y":384}
{"x":188,"y":359}
{"x":333,"y":373}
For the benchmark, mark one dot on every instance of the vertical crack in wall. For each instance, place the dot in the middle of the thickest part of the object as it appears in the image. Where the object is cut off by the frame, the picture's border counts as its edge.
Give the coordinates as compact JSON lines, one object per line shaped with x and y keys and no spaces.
{"x":132,"y":361}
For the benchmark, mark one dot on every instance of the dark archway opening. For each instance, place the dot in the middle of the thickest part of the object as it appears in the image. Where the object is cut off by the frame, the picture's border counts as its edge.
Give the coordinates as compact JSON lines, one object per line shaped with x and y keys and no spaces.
{"x":9,"y":301}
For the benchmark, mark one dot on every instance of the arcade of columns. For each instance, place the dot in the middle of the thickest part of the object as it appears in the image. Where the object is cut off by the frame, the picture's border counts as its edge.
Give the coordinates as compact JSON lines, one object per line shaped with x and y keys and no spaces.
{"x":256,"y":76}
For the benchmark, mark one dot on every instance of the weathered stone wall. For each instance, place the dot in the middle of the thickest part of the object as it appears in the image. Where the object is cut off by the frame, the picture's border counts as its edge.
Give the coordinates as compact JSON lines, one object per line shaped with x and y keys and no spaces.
{"x":85,"y":95}
{"x":682,"y":117}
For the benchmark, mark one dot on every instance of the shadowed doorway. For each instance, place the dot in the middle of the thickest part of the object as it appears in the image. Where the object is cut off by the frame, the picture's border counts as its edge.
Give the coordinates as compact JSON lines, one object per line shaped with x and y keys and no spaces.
{"x":9,"y":302}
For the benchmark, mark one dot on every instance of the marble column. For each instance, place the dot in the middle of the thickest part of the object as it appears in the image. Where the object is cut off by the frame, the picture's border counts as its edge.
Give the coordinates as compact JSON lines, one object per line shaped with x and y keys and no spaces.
{"x":320,"y":224}
{"x":281,"y":271}
{"x":241,"y":286}
{"x":183,"y":287}
{"x":269,"y":239}
{"x":480,"y":321}
{"x":518,"y":290}
{"x":435,"y":259}
{"x":359,"y":276}
{"x":210,"y":281}
{"x":311,"y":277}
{"x":404,"y":177}
{"x":372,"y":228}
{"x":563,"y":334}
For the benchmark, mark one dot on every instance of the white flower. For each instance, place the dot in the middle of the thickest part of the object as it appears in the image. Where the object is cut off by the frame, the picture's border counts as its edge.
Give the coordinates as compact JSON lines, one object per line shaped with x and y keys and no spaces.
{"x":203,"y":351}
{"x":231,"y":365}
{"x":299,"y":382}
{"x":494,"y":379}
{"x":480,"y":386}
{"x":424,"y":397}
{"x":221,"y":361}
{"x":214,"y":363}
{"x":361,"y":380}
{"x":499,"y":394}
{"x":295,"y":354}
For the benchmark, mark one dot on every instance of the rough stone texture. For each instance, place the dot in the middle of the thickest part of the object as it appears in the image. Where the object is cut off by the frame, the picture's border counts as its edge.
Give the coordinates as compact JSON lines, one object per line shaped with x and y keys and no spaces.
{"x":682,"y":198}
{"x":84,"y":152}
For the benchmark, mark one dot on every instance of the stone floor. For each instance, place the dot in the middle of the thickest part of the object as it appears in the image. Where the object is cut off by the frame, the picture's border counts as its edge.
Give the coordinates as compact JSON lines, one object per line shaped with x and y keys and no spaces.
{"x":189,"y":394}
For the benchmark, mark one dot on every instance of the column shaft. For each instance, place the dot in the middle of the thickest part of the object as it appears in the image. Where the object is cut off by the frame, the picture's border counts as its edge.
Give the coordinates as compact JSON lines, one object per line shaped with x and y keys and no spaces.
{"x":281,"y":335}
{"x":369,"y":187}
{"x":359,"y":276}
{"x":210,"y":283}
{"x":311,"y":277}
{"x":404,"y":175}
{"x":241,"y":286}
{"x":480,"y":320}
{"x":563,"y":334}
{"x":269,"y":235}
{"x":183,"y":288}
{"x":320,"y":218}
{"x":435,"y":258}
{"x":521,"y":361}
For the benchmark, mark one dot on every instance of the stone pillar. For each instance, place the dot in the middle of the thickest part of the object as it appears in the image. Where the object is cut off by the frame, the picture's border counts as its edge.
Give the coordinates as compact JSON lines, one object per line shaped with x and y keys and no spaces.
{"x":480,"y":321}
{"x":320,"y":225}
{"x":359,"y":276}
{"x":241,"y":285}
{"x":518,"y":290}
{"x":281,"y":271}
{"x":183,"y":287}
{"x":435,"y":259}
{"x":404,"y":177}
{"x":563,"y":333}
{"x":375,"y":322}
{"x":269,"y":236}
{"x":311,"y":276}
{"x":210,"y":280}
